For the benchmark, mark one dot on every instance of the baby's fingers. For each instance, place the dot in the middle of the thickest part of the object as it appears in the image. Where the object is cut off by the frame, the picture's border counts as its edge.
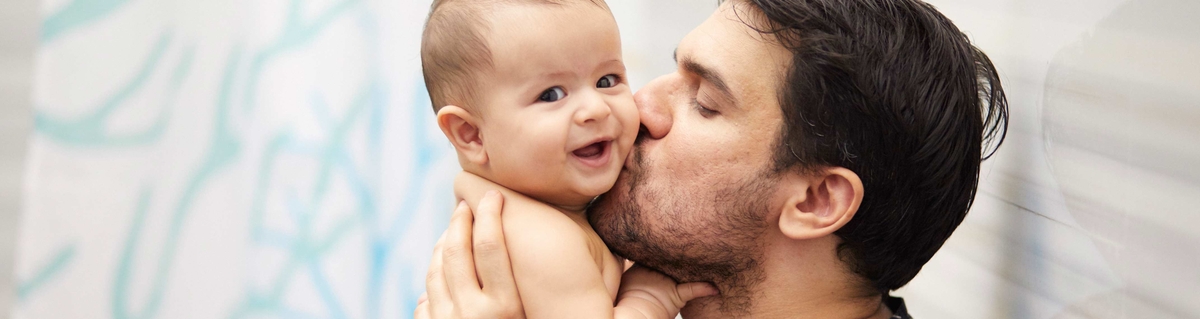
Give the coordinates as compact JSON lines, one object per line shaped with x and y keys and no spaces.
{"x":693,"y":290}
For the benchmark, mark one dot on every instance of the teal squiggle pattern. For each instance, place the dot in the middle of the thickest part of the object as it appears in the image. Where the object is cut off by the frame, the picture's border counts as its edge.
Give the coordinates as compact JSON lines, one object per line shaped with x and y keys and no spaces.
{"x":77,"y":13}
{"x":224,"y":149}
{"x":44,"y":275}
{"x":334,"y":157}
{"x":305,"y":249}
{"x":428,"y":150}
{"x":311,"y":234}
{"x":90,"y":130}
{"x":296,"y":32}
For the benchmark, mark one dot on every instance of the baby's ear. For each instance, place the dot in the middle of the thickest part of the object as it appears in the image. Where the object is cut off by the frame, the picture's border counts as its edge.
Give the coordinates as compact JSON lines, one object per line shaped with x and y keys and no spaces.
{"x":462,"y":129}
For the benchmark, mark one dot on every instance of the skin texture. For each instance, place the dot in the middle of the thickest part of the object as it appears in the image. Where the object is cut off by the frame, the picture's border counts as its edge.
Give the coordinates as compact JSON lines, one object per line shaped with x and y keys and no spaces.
{"x":493,"y":292}
{"x":527,"y":145}
{"x":692,"y":192}
{"x":530,"y":144}
{"x":698,"y":199}
{"x":455,"y":288}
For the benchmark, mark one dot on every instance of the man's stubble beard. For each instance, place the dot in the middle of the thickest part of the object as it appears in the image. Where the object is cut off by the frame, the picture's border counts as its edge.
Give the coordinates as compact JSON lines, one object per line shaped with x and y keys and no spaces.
{"x":715,"y":239}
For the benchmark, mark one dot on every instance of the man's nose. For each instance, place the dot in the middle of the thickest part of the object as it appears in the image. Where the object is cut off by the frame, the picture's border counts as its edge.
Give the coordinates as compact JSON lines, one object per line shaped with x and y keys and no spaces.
{"x":594,"y":109}
{"x":654,"y":104}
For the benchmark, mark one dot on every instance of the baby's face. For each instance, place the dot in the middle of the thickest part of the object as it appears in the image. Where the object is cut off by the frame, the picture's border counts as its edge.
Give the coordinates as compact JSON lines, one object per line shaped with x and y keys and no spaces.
{"x":558,"y":118}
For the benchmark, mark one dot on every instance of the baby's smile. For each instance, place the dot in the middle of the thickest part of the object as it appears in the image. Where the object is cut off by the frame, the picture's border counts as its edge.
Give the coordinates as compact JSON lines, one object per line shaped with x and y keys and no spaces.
{"x":595,"y":155}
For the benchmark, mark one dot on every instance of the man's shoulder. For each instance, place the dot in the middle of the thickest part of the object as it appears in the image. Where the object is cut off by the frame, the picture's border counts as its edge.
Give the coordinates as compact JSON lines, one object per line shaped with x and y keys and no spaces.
{"x":896,"y":305}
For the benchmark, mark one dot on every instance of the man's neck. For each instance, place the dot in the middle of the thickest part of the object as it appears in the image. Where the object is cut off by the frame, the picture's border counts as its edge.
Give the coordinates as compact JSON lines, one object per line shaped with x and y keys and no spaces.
{"x":801,"y":280}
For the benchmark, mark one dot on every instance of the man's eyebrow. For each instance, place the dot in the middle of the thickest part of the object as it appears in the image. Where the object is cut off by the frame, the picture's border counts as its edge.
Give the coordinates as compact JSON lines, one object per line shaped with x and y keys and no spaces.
{"x":709,"y":75}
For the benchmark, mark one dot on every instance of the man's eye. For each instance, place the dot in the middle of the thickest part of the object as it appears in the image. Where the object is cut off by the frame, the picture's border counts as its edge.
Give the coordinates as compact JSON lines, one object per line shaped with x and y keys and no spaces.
{"x":552,"y":94}
{"x":704,"y":111}
{"x":607,"y":81}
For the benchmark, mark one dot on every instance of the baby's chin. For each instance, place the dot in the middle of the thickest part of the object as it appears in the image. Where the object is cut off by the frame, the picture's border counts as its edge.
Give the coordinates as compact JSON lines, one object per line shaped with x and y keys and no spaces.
{"x":575,"y":189}
{"x":598,"y":186}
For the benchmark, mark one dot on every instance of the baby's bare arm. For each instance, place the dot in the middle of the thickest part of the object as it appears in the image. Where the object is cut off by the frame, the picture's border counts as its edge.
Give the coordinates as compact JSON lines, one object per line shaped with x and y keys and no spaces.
{"x":471,"y":188}
{"x":647,"y":293}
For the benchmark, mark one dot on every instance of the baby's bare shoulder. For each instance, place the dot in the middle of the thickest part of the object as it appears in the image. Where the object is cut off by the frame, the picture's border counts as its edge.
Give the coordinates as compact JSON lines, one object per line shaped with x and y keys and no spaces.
{"x":522,"y":215}
{"x":537,"y":235}
{"x":533,"y":223}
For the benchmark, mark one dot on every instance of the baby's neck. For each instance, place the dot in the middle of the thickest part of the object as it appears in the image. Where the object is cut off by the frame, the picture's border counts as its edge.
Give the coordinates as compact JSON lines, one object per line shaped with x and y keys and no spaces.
{"x":570,"y":205}
{"x":568,"y":209}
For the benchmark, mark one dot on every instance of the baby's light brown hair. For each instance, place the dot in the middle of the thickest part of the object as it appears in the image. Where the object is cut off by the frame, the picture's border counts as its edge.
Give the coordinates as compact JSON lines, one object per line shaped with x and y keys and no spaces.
{"x":454,"y":47}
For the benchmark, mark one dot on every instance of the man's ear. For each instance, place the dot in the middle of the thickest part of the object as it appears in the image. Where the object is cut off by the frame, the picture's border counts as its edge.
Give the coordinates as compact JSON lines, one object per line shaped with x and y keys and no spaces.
{"x":462,"y":129}
{"x":822,"y":203}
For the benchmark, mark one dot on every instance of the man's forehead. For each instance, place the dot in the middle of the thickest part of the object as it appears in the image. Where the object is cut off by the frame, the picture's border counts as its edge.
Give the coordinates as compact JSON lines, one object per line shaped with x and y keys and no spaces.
{"x":750,"y":63}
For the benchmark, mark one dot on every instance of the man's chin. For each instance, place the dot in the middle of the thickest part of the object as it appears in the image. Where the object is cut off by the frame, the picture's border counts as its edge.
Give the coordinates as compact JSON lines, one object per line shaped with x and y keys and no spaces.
{"x":719,"y":306}
{"x":615,"y":217}
{"x":698,"y":307}
{"x":606,"y":212}
{"x":610,"y":204}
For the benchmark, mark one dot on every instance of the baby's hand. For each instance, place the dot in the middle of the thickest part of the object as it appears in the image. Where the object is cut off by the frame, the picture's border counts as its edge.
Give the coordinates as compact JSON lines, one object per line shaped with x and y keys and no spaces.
{"x":649,"y":294}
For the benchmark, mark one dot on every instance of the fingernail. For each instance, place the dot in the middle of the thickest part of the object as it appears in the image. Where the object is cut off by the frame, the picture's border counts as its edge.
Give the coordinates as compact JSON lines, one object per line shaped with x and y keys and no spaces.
{"x":492,"y":193}
{"x":461,"y":204}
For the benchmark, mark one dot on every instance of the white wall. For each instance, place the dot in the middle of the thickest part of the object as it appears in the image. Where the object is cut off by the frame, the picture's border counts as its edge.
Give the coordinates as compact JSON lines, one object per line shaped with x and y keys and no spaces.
{"x":230,"y":159}
{"x":1089,"y":208}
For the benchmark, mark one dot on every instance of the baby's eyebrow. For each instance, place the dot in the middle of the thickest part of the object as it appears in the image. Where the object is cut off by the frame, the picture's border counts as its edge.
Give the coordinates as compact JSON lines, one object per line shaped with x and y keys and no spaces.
{"x":556,"y":75}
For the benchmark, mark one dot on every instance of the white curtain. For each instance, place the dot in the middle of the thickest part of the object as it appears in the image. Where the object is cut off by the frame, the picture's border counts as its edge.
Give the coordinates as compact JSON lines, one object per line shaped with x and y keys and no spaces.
{"x":278,"y":159}
{"x":243,"y":159}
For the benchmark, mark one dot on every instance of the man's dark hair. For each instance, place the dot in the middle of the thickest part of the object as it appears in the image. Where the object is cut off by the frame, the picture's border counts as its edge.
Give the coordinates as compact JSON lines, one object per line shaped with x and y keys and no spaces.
{"x":893,"y":91}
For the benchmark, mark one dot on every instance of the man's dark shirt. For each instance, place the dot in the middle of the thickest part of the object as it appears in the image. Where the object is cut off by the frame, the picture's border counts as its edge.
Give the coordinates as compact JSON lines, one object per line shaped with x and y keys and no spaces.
{"x":896,"y":304}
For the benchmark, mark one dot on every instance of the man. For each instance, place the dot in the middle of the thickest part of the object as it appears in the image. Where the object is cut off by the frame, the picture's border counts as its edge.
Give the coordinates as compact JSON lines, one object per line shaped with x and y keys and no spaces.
{"x":806,"y":158}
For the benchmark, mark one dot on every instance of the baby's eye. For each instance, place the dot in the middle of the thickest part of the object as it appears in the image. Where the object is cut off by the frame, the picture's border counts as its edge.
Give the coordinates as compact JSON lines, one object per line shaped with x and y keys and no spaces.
{"x":552,"y":94}
{"x":607,"y":81}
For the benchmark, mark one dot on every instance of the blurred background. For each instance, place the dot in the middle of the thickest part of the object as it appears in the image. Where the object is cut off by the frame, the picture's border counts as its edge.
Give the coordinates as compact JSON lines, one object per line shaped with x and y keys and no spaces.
{"x":278,"y":159}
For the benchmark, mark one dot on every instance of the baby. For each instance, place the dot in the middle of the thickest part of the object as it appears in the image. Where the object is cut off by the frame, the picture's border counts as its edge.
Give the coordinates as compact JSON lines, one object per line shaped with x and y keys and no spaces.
{"x":533,"y":96}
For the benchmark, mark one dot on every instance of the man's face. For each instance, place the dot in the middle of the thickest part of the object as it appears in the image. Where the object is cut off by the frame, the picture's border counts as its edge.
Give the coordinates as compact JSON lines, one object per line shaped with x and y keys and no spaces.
{"x":693,"y":198}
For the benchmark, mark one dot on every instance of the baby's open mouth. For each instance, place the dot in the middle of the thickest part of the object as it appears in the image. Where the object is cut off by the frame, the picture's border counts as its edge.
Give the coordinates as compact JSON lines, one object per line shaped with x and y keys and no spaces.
{"x":592,"y":150}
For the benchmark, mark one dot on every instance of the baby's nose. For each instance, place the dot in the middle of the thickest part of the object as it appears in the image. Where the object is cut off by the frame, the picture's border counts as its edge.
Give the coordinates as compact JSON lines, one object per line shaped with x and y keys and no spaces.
{"x":593,"y":109}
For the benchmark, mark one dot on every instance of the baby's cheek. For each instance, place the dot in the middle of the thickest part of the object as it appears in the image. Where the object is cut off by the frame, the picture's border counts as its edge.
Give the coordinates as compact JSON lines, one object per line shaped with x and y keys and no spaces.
{"x":631,"y":111}
{"x":630,"y":120}
{"x":624,"y":143}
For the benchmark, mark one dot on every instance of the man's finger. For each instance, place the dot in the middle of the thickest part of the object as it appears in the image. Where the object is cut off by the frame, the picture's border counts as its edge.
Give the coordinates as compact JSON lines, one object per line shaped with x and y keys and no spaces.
{"x":458,"y":264}
{"x":422,"y":311}
{"x":693,"y":290}
{"x":435,"y":281}
{"x":491,"y":254}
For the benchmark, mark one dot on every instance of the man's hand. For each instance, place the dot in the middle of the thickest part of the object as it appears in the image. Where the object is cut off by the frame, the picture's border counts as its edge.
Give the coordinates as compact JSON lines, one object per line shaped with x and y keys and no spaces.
{"x":654,"y":295}
{"x":460,"y":265}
